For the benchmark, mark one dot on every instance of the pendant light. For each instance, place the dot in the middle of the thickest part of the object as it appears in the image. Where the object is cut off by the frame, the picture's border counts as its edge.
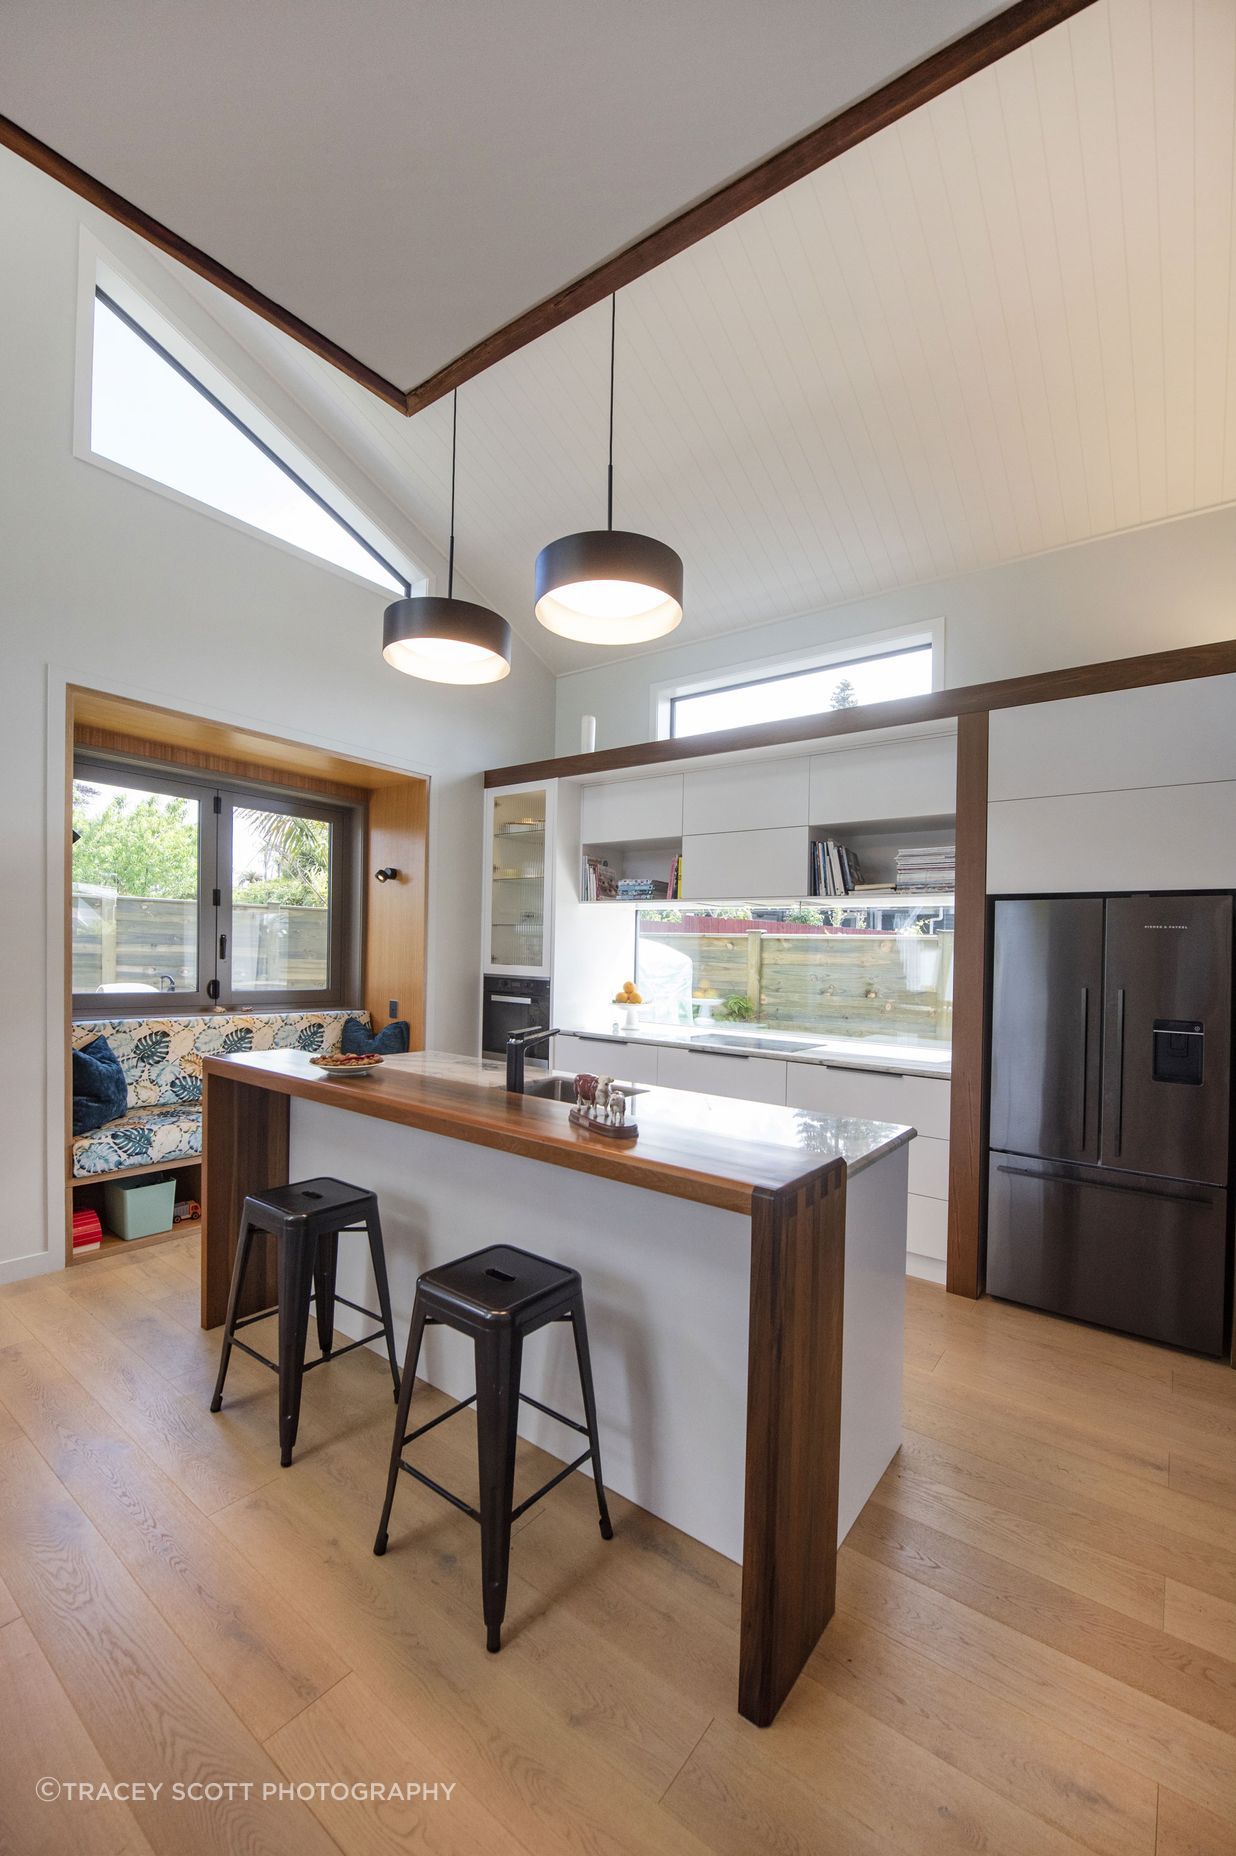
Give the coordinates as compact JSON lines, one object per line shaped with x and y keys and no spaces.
{"x":447,"y":640}
{"x":607,"y":585}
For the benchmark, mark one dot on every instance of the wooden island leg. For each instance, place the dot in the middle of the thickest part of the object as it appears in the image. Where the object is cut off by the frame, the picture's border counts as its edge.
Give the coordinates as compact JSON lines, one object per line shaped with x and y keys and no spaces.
{"x":789,"y":1573}
{"x":245,"y":1138}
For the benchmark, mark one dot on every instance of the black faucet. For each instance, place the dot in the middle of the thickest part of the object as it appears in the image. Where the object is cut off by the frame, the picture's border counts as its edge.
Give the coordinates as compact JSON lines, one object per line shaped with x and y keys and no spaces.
{"x":517,"y":1047}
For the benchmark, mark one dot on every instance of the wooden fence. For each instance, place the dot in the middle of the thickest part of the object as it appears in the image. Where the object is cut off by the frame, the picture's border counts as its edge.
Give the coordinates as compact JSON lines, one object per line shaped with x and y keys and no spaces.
{"x":137,"y":940}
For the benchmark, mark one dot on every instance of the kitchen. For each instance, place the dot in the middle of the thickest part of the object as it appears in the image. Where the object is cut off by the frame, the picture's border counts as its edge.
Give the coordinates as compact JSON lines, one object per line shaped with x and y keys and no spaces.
{"x":619,"y":1154}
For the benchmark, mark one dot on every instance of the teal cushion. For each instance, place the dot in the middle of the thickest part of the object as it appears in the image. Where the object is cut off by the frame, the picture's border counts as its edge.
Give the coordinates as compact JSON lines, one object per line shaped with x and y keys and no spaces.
{"x":143,"y":1137}
{"x":100,"y":1092}
{"x":391,"y":1041}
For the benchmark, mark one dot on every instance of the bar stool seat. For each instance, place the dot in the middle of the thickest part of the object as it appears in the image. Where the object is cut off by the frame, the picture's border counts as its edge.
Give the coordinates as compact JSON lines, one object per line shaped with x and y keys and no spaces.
{"x":306,"y":1219}
{"x":499,"y":1296}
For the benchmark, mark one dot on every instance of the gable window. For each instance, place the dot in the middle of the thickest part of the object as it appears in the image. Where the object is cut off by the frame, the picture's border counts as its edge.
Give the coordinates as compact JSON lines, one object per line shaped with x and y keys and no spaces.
{"x":846,"y":682}
{"x":207,"y":894}
{"x":152,"y":415}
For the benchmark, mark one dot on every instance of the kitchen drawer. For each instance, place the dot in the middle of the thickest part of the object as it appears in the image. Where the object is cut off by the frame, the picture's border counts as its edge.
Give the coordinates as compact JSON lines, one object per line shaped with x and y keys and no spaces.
{"x":915,"y":1101}
{"x":927,"y":1226}
{"x":895,"y":779}
{"x":630,"y":1063}
{"x":929,"y":1167}
{"x":745,"y":864}
{"x":626,"y":811}
{"x":751,"y":1079}
{"x":750,"y":797}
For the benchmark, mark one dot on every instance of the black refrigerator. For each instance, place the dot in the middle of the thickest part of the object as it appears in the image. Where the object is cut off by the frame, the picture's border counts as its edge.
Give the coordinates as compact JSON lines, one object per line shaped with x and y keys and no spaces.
{"x":1110,"y":1119}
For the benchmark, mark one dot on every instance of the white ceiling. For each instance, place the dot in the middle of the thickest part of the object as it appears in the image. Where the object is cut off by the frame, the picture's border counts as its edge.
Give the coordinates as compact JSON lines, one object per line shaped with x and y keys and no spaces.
{"x":1001,"y":326}
{"x":408,"y":176}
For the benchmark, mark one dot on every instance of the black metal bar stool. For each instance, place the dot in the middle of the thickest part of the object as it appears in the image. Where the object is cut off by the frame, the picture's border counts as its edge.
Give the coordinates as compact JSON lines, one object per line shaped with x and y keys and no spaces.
{"x":499,"y":1296}
{"x":306,"y":1220}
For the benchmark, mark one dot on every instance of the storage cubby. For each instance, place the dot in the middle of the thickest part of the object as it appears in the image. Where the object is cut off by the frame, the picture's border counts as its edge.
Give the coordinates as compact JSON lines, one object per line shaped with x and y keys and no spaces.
{"x":640,"y":861}
{"x":876,"y":843}
{"x":88,"y":1194}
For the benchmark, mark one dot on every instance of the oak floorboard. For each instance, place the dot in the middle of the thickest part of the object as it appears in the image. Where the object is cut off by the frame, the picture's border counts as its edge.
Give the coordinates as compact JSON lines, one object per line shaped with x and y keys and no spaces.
{"x":1200,"y":1617}
{"x":1105,"y":1805}
{"x":144,"y":1701}
{"x":259,"y":1653}
{"x":209,"y":1465}
{"x":1187,"y":1830}
{"x":996,"y":1679}
{"x":43,"y":1738}
{"x":346,"y":1739}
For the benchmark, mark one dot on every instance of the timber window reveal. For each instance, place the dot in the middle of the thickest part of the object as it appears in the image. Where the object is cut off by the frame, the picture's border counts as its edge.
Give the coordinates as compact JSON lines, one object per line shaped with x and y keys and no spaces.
{"x":207,"y":894}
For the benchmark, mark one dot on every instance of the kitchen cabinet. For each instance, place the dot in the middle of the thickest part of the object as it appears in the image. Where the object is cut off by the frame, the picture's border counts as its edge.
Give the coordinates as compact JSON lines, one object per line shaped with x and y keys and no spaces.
{"x":631,"y":811}
{"x":712,"y":1073}
{"x":518,"y":877}
{"x":747,"y":865}
{"x":926,"y":1227}
{"x":751,"y":795}
{"x":1164,"y":735}
{"x":1160,"y":837}
{"x":888,"y":780}
{"x":631,"y":1063}
{"x":920,"y":1102}
{"x":929,"y":1167}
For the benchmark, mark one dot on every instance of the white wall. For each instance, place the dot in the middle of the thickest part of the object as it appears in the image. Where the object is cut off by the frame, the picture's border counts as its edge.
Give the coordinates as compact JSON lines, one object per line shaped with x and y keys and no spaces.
{"x":115,"y":586}
{"x":1148,"y":590}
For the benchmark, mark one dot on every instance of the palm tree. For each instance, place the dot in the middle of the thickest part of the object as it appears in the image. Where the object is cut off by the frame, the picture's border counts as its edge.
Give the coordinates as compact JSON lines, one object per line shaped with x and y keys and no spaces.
{"x":296,"y":849}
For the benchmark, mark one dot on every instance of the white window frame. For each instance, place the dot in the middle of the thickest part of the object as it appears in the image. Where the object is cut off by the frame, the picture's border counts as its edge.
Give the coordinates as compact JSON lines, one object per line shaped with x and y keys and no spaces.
{"x":759,"y":670}
{"x":99,"y":270}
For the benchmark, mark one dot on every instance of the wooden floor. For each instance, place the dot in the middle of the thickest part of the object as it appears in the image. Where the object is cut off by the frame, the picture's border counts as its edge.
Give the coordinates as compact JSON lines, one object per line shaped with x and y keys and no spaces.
{"x":1034,"y":1651}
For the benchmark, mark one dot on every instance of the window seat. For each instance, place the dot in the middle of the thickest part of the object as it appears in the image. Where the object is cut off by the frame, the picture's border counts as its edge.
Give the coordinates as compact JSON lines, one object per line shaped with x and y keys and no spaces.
{"x":162,"y":1063}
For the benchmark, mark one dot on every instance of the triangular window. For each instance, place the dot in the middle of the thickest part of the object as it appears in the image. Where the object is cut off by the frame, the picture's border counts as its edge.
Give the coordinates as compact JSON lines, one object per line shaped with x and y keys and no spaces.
{"x":150,"y":414}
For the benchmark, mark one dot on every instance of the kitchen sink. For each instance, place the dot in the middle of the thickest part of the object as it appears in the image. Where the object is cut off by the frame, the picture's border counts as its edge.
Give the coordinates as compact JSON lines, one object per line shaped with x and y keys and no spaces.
{"x":561,"y":1088}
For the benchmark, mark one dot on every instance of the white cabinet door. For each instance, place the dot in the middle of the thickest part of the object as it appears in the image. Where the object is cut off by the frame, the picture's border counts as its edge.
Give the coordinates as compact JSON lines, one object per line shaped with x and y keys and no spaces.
{"x":927,"y":1226}
{"x":628,"y":811}
{"x":920,"y":1102}
{"x":630,"y":1063}
{"x":1162,"y":837}
{"x":745,"y":864}
{"x":1164,"y":735}
{"x":750,"y":797}
{"x":894,"y":779}
{"x":711,"y":1073}
{"x":929,"y":1167}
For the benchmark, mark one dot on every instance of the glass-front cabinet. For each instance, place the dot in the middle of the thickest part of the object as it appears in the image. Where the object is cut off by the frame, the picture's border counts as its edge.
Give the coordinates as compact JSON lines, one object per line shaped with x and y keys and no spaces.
{"x":519,"y":839}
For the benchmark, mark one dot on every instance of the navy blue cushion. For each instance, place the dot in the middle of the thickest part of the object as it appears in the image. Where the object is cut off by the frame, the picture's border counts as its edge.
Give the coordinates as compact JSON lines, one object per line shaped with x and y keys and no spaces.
{"x":391,"y":1041}
{"x":100,"y":1092}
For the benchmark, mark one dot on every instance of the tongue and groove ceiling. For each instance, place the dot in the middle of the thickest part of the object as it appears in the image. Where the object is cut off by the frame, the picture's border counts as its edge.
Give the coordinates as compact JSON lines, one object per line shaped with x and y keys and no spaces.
{"x":1002,"y":325}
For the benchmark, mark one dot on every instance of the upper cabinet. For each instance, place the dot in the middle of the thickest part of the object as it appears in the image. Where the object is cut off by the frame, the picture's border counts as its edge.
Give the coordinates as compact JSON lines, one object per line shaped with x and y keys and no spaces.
{"x":719,"y":866}
{"x":750,"y":795}
{"x":1168,"y":734}
{"x":631,"y":811}
{"x":886,"y":779}
{"x":519,"y":856}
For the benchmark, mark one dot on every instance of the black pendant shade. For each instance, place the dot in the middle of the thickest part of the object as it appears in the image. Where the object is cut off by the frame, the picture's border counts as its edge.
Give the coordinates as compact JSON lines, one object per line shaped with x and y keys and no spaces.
{"x":608,"y":585}
{"x":447,"y":640}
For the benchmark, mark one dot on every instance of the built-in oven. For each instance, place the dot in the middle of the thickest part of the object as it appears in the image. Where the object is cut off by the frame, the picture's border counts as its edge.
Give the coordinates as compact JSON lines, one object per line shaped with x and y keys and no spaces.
{"x":511,"y":1005}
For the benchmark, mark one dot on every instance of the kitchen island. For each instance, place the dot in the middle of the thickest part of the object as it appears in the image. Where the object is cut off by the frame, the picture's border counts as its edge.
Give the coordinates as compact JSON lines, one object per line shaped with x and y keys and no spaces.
{"x":743,"y":1267}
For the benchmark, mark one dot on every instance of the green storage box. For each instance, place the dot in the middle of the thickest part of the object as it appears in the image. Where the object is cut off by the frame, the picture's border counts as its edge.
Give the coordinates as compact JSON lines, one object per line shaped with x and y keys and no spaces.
{"x":139,"y":1207}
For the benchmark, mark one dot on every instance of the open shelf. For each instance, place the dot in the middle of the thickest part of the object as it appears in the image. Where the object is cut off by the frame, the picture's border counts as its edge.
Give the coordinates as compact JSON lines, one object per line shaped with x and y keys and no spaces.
{"x":111,"y":1244}
{"x":875,"y":843}
{"x":646,"y":859}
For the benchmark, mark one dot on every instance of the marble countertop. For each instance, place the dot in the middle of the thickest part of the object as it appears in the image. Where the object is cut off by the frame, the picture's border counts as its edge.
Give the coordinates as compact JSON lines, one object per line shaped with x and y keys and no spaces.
{"x":887,"y":1054}
{"x":710,"y":1148}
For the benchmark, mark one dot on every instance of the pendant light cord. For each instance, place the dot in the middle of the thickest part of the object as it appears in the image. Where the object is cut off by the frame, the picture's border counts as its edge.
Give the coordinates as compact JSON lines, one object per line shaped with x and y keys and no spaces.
{"x":613,"y":337}
{"x":450,"y":559}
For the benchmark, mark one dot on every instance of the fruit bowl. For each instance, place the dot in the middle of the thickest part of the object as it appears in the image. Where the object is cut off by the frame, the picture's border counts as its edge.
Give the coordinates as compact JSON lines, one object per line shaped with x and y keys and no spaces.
{"x":347,"y":1063}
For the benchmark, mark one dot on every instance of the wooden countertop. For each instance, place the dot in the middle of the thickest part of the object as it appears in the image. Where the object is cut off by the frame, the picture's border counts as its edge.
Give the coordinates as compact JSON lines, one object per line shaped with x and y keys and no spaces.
{"x":706,"y":1148}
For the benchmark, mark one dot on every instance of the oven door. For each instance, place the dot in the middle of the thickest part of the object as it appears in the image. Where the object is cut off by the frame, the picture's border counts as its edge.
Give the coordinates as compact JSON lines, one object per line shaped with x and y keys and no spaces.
{"x":512,"y":1005}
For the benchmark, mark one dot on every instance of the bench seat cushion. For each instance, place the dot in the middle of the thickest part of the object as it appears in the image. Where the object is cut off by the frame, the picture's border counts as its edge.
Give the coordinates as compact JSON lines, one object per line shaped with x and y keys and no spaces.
{"x":143,"y":1137}
{"x":162,"y":1057}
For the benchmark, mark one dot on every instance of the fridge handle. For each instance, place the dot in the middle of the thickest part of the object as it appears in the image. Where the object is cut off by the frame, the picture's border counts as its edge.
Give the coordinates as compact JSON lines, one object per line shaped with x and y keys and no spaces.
{"x":1119,"y":1078}
{"x":1085,"y":1065}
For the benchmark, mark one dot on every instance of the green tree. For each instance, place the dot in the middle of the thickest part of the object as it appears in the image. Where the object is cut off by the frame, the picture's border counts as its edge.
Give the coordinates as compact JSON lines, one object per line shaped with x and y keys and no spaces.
{"x":294,"y":855}
{"x":844,"y":696}
{"x":136,"y":846}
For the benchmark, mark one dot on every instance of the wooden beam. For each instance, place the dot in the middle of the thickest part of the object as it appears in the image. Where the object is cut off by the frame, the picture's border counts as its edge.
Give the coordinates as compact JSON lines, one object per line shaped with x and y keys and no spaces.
{"x":245,"y":1149}
{"x":1018,"y":25}
{"x":973,"y":52}
{"x":76,"y":179}
{"x":789,"y":1554}
{"x":1122,"y":673}
{"x":968,"y":1096}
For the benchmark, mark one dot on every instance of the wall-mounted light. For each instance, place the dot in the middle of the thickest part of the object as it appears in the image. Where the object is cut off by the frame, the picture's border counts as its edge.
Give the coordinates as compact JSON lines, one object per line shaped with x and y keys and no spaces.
{"x":385,"y":874}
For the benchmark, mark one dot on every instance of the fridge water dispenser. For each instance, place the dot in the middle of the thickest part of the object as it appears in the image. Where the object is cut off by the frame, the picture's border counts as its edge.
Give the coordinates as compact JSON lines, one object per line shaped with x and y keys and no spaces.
{"x":1178,"y":1045}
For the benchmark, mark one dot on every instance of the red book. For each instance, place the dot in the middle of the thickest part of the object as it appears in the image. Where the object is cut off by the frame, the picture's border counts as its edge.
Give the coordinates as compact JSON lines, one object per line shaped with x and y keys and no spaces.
{"x":87,"y":1229}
